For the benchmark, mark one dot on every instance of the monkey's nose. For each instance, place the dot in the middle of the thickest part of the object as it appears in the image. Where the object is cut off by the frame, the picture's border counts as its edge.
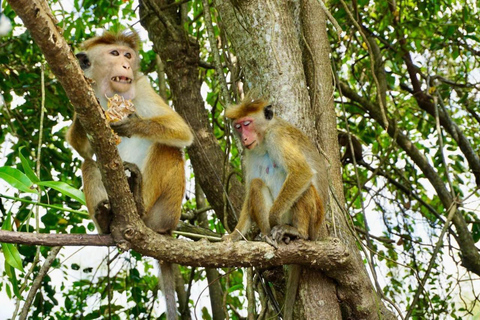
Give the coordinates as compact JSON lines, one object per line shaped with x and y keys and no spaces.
{"x":126,"y":66}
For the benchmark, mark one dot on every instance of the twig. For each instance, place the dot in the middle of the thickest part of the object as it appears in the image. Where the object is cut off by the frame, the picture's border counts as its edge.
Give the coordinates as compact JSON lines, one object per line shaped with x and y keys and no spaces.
{"x":372,"y":58}
{"x":216,"y":54}
{"x":197,"y":236}
{"x":83,"y":213}
{"x":421,"y":286}
{"x":338,"y":29}
{"x":38,"y":281}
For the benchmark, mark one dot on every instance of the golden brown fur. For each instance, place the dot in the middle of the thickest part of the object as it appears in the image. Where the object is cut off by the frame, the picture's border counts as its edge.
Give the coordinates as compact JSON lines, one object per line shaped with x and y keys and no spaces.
{"x":286,"y":181}
{"x":151,"y":139}
{"x":129,"y":39}
{"x":247,"y":107}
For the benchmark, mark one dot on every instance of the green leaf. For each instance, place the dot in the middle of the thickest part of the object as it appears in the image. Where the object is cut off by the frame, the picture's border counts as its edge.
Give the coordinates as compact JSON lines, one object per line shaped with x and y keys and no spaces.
{"x":65,"y":189}
{"x":476,"y":232}
{"x":17,"y":179}
{"x":10,"y":251}
{"x":13,"y":279}
{"x":235,"y":288}
{"x":27,"y":167}
{"x":12,"y":256}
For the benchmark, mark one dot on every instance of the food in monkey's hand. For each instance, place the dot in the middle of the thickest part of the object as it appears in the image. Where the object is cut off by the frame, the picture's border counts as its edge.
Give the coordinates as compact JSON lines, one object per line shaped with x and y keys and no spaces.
{"x":118,"y":109}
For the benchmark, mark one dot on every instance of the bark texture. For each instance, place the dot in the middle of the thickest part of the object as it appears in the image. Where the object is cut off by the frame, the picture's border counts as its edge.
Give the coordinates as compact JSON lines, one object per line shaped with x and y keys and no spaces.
{"x":284,"y":52}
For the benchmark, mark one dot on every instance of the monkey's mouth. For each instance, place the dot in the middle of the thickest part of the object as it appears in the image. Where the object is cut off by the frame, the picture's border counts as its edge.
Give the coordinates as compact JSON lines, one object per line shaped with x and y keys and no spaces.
{"x":251,"y":145}
{"x":121,"y":79}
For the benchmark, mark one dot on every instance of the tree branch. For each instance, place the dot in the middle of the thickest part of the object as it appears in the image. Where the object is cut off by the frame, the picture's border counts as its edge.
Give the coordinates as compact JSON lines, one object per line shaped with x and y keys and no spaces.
{"x":325,"y":255}
{"x":469,"y":252}
{"x":41,"y":24}
{"x":38,"y":281}
{"x":425,"y":102}
{"x":53,"y":240}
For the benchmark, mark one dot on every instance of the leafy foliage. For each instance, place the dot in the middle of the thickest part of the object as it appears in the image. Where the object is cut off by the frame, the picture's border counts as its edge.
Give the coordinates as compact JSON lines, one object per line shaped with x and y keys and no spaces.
{"x":389,"y":197}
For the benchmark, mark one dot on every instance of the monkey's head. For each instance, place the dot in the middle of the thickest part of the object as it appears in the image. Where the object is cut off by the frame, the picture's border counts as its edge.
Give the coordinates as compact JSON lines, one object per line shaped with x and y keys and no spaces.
{"x":251,"y":119}
{"x":111,"y":60}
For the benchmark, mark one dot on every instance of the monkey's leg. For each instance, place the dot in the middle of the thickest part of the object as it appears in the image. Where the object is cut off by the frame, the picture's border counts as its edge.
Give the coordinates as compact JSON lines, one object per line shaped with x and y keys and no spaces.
{"x":96,"y":196}
{"x":243,"y":225}
{"x":259,"y":204}
{"x":163,"y":188}
{"x":302,"y":212}
{"x":135,"y":183}
{"x":254,"y":208}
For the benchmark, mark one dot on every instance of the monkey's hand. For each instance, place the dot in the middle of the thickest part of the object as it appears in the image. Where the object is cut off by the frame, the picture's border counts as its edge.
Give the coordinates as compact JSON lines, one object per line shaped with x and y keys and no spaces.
{"x":234,"y":236}
{"x":125,"y":127}
{"x":285,"y":233}
{"x":103,"y":216}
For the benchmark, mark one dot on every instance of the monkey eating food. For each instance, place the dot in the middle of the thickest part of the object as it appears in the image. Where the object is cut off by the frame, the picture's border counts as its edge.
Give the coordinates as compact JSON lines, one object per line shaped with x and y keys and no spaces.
{"x":152,"y":138}
{"x":286,"y":181}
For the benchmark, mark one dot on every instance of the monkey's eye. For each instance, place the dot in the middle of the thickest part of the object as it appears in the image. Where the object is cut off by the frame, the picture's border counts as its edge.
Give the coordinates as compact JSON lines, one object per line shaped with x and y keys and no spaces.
{"x":114,"y":53}
{"x":128,"y":55}
{"x":238,"y":126}
{"x":246,"y":123}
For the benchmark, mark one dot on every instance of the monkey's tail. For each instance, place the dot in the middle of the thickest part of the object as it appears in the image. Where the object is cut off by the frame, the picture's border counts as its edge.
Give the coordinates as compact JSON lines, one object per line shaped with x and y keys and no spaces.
{"x":294,"y":272}
{"x":167,"y":280}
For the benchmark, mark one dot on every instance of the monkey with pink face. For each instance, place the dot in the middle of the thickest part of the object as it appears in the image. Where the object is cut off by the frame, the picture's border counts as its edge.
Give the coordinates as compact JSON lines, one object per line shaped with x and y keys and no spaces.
{"x":152,"y":139}
{"x":286,"y":182}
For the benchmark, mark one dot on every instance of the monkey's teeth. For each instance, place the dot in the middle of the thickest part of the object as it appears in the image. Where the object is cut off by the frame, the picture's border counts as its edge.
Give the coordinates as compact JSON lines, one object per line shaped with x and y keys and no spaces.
{"x":122,"y":79}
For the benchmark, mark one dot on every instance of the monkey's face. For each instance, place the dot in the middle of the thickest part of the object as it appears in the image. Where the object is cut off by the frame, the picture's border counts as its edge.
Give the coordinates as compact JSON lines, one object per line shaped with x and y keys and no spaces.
{"x":246,"y":129}
{"x":113,"y":69}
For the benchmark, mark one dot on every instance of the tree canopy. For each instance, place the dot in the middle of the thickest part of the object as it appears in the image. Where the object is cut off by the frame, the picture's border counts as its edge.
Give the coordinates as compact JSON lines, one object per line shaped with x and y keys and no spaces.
{"x":398,"y":81}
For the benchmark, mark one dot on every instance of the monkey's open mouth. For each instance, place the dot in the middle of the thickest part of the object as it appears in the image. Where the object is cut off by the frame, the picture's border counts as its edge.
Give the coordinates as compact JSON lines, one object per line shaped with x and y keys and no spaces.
{"x":121,"y":79}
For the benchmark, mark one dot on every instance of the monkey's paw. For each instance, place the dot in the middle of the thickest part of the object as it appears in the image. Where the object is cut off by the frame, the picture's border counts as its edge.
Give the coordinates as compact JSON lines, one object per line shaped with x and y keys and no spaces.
{"x":271,"y":241}
{"x":125,"y":127}
{"x":103,"y":216}
{"x":232,"y":237}
{"x":285,"y":233}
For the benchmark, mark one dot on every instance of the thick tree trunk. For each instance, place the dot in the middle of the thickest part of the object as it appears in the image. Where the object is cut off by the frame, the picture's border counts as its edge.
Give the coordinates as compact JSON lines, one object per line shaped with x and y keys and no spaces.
{"x":181,"y":60}
{"x":284,"y":51}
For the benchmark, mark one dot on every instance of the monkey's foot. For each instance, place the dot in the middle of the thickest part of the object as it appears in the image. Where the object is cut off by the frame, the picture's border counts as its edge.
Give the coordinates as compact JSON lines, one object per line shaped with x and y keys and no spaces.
{"x":232,"y":237}
{"x":103,"y":216}
{"x":285,"y":233}
{"x":271,"y":241}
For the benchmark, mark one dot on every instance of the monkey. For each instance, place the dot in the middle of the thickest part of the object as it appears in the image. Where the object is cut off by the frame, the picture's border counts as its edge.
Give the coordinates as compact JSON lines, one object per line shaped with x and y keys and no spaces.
{"x":286,"y":181}
{"x":349,"y":154}
{"x":151,"y":144}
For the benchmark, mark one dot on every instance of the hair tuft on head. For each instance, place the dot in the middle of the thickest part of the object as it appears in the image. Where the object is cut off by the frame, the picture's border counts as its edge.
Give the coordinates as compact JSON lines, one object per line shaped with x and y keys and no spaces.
{"x":127,"y":38}
{"x":248,"y":106}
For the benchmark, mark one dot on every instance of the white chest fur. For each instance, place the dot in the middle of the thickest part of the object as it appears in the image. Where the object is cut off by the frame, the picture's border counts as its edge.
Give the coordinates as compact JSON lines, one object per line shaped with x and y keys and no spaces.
{"x":134,"y":150}
{"x":264,"y":167}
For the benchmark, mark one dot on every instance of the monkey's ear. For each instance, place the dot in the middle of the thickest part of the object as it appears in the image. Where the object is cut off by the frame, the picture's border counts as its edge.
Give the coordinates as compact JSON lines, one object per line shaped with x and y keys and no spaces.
{"x":268,"y":112}
{"x":83,"y":60}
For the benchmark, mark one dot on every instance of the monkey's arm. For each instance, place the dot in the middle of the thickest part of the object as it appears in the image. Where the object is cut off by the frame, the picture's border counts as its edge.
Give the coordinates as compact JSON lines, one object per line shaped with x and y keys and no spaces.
{"x":243,"y":225}
{"x":288,"y":152}
{"x":168,"y":129}
{"x":154,"y":119}
{"x":77,"y":138}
